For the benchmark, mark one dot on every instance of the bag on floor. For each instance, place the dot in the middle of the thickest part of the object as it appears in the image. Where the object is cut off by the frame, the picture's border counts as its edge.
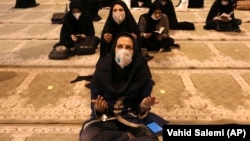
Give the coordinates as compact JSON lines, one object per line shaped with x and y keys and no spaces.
{"x":85,"y":46}
{"x":223,"y":26}
{"x":57,"y":18}
{"x":59,"y":52}
{"x":186,"y":25}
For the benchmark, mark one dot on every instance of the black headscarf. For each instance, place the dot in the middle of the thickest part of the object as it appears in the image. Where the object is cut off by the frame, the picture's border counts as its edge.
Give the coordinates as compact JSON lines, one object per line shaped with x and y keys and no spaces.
{"x":218,"y":8}
{"x":151,"y":24}
{"x":169,"y":10}
{"x":111,"y":78}
{"x":128,"y":25}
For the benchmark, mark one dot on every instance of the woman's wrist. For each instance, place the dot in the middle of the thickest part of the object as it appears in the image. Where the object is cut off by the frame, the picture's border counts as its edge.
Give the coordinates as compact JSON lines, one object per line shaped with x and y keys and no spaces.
{"x":144,"y":108}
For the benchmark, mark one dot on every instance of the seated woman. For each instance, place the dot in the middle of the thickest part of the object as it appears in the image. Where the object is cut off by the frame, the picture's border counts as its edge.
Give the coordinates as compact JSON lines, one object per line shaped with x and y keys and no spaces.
{"x":221,"y":14}
{"x":77,"y":25}
{"x":120,"y":95}
{"x":25,"y":3}
{"x":154,"y":28}
{"x":119,"y":20}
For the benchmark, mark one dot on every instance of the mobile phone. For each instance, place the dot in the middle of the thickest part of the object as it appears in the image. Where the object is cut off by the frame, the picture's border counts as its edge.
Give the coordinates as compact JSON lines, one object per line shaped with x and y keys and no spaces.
{"x":78,"y":35}
{"x":154,"y":127}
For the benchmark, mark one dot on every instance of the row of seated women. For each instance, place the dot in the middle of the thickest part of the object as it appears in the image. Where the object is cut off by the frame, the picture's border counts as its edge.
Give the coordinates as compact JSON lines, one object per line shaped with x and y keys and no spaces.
{"x":161,"y":16}
{"x":120,"y":19}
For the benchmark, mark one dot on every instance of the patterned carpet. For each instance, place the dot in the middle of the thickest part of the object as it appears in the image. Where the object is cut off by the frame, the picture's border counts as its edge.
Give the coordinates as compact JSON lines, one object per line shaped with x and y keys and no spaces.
{"x":206,"y":81}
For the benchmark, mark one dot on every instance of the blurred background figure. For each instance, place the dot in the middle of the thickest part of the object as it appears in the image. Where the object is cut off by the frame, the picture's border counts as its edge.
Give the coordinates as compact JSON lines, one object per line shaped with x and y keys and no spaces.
{"x":25,"y":3}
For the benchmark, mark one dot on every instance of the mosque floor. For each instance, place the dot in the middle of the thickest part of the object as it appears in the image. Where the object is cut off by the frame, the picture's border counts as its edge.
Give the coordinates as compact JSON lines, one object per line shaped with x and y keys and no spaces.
{"x":206,"y":81}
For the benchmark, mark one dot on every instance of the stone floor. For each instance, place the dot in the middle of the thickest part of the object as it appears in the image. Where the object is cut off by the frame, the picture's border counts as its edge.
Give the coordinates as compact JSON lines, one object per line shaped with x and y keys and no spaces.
{"x":207,"y":80}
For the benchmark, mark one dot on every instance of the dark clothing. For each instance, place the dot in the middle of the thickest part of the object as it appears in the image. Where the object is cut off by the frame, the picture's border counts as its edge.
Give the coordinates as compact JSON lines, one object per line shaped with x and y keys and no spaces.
{"x":92,"y":7}
{"x":106,"y":3}
{"x":128,"y":25}
{"x":25,"y":3}
{"x":216,"y":10}
{"x":169,"y":10}
{"x":73,"y":26}
{"x":123,"y":90}
{"x":148,"y":25}
{"x":115,"y":131}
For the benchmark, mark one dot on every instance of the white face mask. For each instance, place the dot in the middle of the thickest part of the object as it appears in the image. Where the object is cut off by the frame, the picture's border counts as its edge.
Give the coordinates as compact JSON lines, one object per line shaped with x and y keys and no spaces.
{"x":123,"y":58}
{"x":155,"y":18}
{"x":118,"y":17}
{"x":224,"y":3}
{"x":77,"y":15}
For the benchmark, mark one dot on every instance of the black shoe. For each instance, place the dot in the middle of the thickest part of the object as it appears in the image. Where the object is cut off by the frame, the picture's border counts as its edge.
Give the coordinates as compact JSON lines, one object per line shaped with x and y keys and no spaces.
{"x":165,"y":50}
{"x":175,"y":46}
{"x":88,"y":85}
{"x":237,"y":30}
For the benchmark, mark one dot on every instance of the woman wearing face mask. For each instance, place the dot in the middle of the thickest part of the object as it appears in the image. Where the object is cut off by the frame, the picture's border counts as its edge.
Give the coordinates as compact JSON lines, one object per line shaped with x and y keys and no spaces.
{"x":120,"y":95}
{"x":119,"y":20}
{"x":219,"y":8}
{"x":154,"y":28}
{"x":77,"y":24}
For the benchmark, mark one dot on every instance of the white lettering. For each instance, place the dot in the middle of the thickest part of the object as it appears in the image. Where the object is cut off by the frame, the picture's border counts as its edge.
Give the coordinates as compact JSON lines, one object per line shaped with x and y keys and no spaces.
{"x":208,"y":132}
{"x":179,"y":132}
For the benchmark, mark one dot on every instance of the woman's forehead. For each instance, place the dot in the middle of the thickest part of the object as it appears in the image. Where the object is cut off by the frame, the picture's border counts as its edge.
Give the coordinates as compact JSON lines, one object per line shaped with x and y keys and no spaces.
{"x":118,"y":6}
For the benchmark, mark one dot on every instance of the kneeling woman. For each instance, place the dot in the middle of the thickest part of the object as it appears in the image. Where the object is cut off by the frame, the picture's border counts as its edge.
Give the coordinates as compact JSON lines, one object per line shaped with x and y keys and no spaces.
{"x":120,"y":95}
{"x":154,"y":29}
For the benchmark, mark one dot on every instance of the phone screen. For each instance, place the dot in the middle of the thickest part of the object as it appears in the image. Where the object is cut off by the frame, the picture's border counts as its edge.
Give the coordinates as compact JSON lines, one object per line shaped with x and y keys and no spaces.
{"x":154,"y":127}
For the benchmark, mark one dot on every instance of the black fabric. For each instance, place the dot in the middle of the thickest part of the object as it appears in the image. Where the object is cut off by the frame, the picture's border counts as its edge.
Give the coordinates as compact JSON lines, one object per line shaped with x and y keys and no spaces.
{"x":186,"y":25}
{"x":106,"y":3}
{"x":195,"y":3}
{"x":73,"y":26}
{"x":109,"y":77}
{"x":128,"y":25}
{"x":25,"y":3}
{"x":169,"y":10}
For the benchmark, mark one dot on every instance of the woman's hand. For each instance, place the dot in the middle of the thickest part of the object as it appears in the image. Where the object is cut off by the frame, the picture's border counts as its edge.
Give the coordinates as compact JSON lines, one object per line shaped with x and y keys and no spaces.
{"x":100,"y":104}
{"x":73,"y":37}
{"x":146,"y":35}
{"x":147,"y":103}
{"x":134,"y":35}
{"x":107,"y":37}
